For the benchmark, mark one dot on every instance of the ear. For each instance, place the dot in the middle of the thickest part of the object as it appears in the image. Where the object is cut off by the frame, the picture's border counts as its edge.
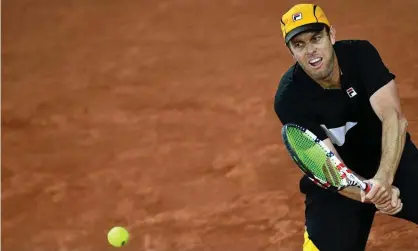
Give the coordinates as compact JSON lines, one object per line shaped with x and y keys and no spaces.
{"x":332,"y":33}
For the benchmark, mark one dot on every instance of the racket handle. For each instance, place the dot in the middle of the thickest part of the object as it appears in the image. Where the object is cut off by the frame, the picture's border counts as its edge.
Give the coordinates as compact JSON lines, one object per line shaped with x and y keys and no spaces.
{"x":367,"y":187}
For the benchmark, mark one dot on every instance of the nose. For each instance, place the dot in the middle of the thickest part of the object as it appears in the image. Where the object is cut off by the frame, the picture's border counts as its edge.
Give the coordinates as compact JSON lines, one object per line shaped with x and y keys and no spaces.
{"x":310,"y":49}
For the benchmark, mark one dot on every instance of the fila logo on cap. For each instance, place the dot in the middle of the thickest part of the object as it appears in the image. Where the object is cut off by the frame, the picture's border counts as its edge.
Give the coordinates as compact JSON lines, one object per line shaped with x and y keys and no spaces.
{"x":297,"y":16}
{"x":351,"y":92}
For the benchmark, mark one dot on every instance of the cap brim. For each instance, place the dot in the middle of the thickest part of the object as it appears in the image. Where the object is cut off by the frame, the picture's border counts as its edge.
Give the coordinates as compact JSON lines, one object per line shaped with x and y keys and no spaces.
{"x":304,"y":28}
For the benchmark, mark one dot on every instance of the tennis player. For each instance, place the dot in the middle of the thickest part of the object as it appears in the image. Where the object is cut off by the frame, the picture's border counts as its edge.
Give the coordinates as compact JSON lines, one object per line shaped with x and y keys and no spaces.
{"x":343,"y":92}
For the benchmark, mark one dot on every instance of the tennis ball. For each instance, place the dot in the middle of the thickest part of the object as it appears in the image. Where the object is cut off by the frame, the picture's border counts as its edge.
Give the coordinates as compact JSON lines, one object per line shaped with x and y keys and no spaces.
{"x":118,"y":236}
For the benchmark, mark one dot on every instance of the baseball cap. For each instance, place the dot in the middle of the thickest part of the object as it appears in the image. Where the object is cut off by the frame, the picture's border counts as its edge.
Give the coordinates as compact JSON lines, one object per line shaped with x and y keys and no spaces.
{"x":302,"y":17}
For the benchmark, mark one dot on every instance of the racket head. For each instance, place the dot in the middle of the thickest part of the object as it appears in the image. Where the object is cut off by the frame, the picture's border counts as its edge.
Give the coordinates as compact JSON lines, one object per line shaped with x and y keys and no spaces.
{"x":314,"y":158}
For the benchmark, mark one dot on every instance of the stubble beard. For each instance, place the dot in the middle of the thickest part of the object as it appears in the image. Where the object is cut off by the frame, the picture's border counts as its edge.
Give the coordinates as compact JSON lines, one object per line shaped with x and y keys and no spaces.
{"x":326,"y":73}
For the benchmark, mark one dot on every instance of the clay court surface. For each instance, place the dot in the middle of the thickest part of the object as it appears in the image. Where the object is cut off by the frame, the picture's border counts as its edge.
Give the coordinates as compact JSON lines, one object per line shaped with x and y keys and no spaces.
{"x":158,"y":116}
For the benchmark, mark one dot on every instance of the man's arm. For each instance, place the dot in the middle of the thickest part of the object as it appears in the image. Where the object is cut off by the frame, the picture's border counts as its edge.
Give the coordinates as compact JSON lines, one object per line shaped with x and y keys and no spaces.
{"x":390,"y":207}
{"x":380,"y":88}
{"x":386,"y":104}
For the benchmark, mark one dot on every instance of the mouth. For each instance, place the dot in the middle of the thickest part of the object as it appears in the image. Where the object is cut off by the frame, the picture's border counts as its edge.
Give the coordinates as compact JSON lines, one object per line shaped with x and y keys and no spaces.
{"x":316,"y":62}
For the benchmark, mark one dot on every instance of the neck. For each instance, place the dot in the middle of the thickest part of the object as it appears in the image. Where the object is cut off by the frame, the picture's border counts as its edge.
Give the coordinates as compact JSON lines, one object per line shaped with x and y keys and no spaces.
{"x":333,"y":80}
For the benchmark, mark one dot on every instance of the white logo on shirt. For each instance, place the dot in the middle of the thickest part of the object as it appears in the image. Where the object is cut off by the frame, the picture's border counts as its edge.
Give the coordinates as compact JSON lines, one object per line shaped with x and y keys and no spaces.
{"x":337,"y":135}
{"x":351,"y":92}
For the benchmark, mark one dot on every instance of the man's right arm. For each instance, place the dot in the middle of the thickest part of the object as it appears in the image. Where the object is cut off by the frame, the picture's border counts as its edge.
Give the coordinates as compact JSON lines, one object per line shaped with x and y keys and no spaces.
{"x":390,"y":207}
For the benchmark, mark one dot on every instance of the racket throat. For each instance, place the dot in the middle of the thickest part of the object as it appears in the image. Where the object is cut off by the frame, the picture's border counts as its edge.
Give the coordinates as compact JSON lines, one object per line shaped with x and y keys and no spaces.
{"x":349,"y":179}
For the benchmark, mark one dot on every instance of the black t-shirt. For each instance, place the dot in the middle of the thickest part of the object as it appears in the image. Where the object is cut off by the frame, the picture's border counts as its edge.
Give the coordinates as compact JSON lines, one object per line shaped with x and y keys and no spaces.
{"x":345,"y":115}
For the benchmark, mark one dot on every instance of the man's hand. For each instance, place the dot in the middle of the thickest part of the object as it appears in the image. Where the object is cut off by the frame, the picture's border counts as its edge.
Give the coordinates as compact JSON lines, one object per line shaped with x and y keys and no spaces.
{"x":380,"y":192}
{"x":392,"y":206}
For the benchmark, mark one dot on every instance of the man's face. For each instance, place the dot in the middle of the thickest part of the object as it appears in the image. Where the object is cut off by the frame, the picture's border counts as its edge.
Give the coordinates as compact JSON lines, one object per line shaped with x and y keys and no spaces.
{"x":315,"y":53}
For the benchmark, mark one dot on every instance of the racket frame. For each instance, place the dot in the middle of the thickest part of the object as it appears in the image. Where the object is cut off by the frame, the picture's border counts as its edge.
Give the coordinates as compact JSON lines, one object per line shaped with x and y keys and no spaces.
{"x":348,"y":177}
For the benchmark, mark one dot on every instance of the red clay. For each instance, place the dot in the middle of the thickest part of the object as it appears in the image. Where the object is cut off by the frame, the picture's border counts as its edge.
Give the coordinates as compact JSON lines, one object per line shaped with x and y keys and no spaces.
{"x":159,"y":117}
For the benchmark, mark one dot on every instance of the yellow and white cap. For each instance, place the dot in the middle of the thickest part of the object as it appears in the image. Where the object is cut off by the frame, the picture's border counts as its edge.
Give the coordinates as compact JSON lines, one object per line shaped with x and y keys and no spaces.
{"x":302,"y":17}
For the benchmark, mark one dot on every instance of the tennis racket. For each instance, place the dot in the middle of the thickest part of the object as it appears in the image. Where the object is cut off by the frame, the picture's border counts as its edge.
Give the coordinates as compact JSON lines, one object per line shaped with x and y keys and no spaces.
{"x":317,"y":161}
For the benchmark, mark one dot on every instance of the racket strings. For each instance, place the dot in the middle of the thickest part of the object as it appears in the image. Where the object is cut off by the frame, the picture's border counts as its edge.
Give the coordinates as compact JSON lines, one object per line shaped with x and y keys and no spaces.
{"x":314,"y":157}
{"x":331,"y":173}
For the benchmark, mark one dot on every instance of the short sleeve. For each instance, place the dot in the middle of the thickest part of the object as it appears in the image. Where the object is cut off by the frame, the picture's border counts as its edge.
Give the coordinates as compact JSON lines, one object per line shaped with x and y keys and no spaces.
{"x":294,"y":112}
{"x":374,"y":72}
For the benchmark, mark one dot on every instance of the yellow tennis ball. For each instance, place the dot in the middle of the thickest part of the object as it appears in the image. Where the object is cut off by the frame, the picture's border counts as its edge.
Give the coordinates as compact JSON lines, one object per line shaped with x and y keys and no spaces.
{"x":118,"y":236}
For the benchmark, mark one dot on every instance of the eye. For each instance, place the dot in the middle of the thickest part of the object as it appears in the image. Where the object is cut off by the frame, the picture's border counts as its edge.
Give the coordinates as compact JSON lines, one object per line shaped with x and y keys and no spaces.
{"x":298,"y":45}
{"x":317,"y":38}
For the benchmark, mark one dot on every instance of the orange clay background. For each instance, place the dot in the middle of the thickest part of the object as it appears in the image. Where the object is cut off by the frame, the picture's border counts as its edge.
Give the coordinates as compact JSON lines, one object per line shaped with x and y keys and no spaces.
{"x":158,"y":116}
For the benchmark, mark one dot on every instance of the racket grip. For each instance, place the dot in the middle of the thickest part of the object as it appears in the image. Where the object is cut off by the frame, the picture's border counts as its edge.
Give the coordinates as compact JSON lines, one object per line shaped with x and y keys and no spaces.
{"x":367,"y":187}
